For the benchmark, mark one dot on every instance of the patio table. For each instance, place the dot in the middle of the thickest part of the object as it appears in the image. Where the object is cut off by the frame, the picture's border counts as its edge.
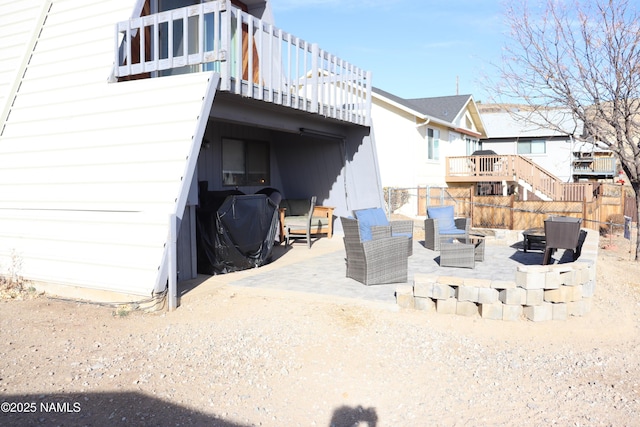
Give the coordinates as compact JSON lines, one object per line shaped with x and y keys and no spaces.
{"x":461,"y":251}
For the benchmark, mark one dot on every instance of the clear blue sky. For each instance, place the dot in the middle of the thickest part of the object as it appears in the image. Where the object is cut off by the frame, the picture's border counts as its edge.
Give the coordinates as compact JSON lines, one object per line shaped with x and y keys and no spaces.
{"x":414,"y":48}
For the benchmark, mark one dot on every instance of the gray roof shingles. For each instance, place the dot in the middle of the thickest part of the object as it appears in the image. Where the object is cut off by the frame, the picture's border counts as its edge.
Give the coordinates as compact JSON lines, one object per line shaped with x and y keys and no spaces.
{"x":444,"y":108}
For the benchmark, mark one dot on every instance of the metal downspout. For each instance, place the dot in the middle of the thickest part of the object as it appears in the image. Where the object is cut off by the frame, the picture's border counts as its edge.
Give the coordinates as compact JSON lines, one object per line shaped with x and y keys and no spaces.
{"x":20,"y":71}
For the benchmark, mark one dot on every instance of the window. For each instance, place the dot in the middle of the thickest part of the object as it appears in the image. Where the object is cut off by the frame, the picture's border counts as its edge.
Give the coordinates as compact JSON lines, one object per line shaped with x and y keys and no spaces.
{"x":433,"y":144}
{"x":472,"y":145}
{"x":245,"y":162}
{"x":535,"y":146}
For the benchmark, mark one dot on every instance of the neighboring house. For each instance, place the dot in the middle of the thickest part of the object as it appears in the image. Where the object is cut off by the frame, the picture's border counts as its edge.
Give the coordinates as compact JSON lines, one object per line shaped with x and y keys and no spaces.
{"x":535,"y":154}
{"x":513,"y":132}
{"x":415,"y":136}
{"x":105,"y":133}
{"x":551,"y":139}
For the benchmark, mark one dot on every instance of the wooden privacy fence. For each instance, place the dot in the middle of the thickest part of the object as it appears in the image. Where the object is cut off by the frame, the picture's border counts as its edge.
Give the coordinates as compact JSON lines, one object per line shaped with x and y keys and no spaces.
{"x":509,"y":213}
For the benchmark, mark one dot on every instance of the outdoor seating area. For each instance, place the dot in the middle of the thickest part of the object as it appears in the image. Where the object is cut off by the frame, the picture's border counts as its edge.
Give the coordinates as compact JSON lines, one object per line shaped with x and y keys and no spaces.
{"x":509,"y":284}
{"x":440,"y":224}
{"x":492,"y":273}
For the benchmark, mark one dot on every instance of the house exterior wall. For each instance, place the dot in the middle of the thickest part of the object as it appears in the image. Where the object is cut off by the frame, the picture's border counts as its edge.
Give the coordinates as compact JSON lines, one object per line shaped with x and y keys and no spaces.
{"x":506,"y":128}
{"x":89,"y":170}
{"x":402,"y":147}
{"x":556,"y":160}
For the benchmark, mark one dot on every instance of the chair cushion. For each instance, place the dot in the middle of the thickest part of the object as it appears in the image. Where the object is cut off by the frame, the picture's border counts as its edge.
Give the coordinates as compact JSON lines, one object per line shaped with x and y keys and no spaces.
{"x":452,"y":231}
{"x":298,"y":221}
{"x":319,"y":220}
{"x":444,"y":215}
{"x":368,"y":218}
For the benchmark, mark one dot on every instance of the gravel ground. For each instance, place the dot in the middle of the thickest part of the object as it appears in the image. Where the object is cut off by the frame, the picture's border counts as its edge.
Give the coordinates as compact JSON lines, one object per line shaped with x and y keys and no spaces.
{"x":248,"y":357}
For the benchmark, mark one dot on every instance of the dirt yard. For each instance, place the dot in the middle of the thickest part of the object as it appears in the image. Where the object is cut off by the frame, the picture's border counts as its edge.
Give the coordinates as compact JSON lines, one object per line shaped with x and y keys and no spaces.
{"x":245,"y":357}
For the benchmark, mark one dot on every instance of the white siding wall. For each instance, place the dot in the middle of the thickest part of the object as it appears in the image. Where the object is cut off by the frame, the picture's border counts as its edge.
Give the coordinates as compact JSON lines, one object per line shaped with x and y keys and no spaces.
{"x":91,"y":170}
{"x":556,"y":160}
{"x":401,"y":146}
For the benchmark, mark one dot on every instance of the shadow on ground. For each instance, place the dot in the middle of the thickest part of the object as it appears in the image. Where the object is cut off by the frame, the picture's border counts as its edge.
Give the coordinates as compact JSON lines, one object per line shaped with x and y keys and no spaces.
{"x":535,"y":255}
{"x":346,"y":416}
{"x":131,"y":408}
{"x":101,"y":409}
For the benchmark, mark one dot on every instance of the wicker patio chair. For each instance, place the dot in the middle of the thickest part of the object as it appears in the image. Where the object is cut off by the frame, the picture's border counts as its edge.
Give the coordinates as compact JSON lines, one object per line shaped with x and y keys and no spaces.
{"x":396,"y":227}
{"x":434,"y":230}
{"x":561,"y":232}
{"x":382,"y":259}
{"x":299,"y":227}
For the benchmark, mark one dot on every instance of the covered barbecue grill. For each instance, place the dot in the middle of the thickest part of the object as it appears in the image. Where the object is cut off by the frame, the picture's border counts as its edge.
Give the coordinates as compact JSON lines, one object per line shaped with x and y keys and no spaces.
{"x":237,"y":233}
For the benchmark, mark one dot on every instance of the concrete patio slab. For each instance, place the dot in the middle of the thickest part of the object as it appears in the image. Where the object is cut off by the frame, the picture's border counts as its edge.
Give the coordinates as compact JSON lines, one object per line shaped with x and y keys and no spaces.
{"x":322,"y":270}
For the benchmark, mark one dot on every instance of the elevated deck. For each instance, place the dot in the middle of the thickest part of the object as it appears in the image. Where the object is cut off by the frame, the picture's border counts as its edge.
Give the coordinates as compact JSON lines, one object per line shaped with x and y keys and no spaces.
{"x":254,"y":58}
{"x":514,"y":169}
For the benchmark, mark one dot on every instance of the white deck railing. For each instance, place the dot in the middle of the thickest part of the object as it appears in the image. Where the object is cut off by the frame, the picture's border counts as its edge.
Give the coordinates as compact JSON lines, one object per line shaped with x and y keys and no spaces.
{"x":254,"y":59}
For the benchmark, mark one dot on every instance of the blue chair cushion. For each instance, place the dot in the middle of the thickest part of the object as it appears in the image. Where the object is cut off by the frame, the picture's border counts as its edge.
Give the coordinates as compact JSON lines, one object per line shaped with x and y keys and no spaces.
{"x":452,"y":231}
{"x":368,"y":218}
{"x":444,"y":215}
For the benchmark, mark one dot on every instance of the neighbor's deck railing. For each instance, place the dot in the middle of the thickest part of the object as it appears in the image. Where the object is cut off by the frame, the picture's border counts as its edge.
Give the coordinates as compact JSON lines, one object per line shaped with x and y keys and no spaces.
{"x":512,"y":168}
{"x":595,"y":166}
{"x":254,"y":59}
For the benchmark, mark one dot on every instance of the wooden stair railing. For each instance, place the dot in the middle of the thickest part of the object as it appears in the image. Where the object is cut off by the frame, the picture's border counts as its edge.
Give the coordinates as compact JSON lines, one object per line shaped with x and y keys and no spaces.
{"x":513,"y":168}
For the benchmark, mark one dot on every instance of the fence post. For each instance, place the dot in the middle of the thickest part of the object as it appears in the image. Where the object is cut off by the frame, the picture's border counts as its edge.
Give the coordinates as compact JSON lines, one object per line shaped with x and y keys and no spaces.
{"x":427,"y":194}
{"x":471,"y":204}
{"x":511,"y":203}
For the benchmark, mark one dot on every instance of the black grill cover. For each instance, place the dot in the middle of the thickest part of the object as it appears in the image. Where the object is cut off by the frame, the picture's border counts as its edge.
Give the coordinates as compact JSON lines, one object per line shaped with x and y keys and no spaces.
{"x":238,"y":235}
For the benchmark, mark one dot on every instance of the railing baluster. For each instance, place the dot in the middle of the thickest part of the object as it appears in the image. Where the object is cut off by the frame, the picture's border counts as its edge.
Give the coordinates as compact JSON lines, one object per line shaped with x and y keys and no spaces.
{"x":259,"y":50}
{"x":287,"y":79}
{"x":239,"y":53}
{"x":296,"y":90}
{"x":334,"y":83}
{"x":314,"y":78}
{"x":201,"y":36}
{"x":270,"y":85}
{"x":129,"y":50}
{"x":143,"y":40}
{"x":170,"y":41}
{"x":225,"y":47}
{"x":306,"y":78}
{"x":343,"y":88}
{"x":185,"y":37}
{"x":156,"y":43}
